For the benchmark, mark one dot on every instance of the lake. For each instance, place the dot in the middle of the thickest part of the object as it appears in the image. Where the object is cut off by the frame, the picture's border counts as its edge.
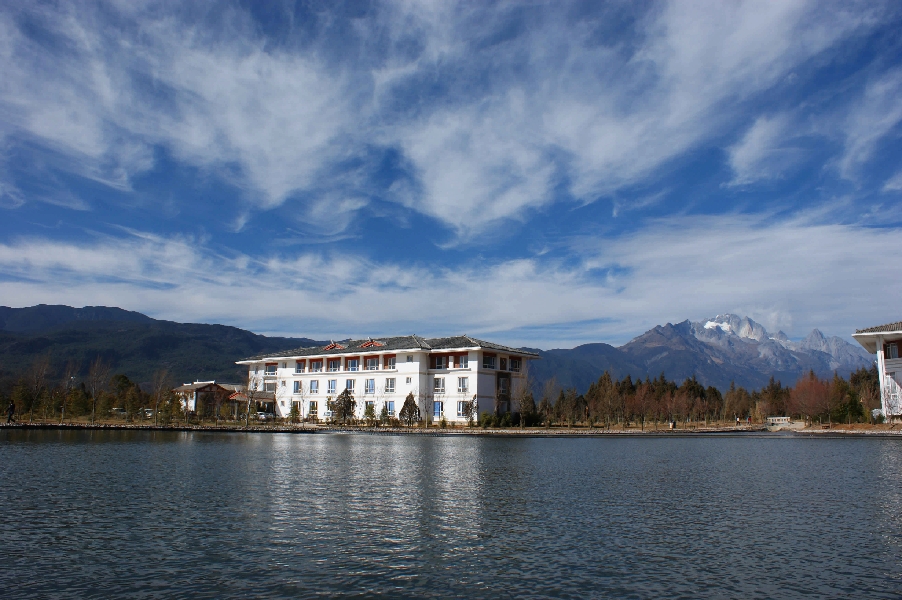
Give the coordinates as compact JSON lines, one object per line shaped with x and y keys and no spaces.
{"x":212,"y":515}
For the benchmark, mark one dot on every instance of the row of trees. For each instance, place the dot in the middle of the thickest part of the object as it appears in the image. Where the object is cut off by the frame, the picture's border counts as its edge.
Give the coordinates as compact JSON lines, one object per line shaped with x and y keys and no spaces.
{"x":45,"y":393}
{"x":609,"y":401}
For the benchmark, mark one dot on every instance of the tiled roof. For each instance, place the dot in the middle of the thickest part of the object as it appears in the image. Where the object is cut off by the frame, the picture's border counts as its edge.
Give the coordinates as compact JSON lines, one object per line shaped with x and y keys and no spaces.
{"x":897,"y":326}
{"x":406,"y":342}
{"x":190,"y":387}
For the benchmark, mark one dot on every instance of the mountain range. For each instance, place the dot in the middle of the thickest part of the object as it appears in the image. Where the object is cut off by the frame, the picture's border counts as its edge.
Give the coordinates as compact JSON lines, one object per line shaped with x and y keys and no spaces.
{"x":717,"y":351}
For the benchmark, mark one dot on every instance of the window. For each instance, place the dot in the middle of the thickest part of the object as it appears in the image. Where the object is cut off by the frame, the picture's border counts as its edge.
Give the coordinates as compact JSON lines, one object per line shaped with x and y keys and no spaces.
{"x":503,"y":364}
{"x":269,"y":386}
{"x":372,"y":364}
{"x":270,"y":369}
{"x":515,"y":365}
{"x":409,"y":358}
{"x":437,"y":409}
{"x":353,"y":364}
{"x":464,"y":362}
{"x":282,"y":365}
{"x":330,"y":386}
{"x":439,"y":362}
{"x":283,"y":384}
{"x":312,"y":410}
{"x":334,"y":365}
{"x":256,"y":369}
{"x":390,"y":385}
{"x":369,"y":386}
{"x":314,"y":387}
{"x":299,"y":367}
{"x":892,"y":351}
{"x":390,"y":362}
{"x":349,"y":385}
{"x":488,"y":362}
{"x":390,"y":407}
{"x":462,"y":408}
{"x":316,"y":366}
{"x":438,"y":385}
{"x":503,"y":385}
{"x":297,"y":387}
{"x":283,"y":403}
{"x":463,"y":385}
{"x":368,"y":404}
{"x":407,"y":381}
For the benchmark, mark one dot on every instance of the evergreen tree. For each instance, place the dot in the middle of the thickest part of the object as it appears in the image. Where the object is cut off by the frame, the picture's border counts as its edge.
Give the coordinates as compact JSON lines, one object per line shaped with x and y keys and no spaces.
{"x":410,"y":412}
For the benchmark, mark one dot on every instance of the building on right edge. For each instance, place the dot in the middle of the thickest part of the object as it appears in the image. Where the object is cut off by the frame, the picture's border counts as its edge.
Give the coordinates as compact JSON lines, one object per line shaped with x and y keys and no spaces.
{"x":885,"y":341}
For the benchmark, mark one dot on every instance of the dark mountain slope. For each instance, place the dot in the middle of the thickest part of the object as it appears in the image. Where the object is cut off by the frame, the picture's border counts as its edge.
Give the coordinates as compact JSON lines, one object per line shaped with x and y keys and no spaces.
{"x":135,"y":345}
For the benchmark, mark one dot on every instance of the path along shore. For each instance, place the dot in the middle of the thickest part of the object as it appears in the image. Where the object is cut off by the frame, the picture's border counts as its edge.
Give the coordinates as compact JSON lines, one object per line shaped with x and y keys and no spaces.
{"x":816,"y":430}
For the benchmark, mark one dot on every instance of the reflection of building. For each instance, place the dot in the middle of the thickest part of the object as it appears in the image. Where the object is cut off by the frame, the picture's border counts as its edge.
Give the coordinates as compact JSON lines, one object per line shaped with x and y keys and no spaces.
{"x":207,"y":398}
{"x":886,"y":341}
{"x":442,"y":373}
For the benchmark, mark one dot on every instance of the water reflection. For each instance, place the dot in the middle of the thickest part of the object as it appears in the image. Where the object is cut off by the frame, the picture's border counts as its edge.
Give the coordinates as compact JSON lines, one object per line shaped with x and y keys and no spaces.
{"x":210,"y":515}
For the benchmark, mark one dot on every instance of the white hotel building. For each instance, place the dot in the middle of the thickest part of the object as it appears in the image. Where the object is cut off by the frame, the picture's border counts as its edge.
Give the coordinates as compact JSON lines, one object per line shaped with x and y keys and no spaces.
{"x":442,"y":374}
{"x":886,"y":342}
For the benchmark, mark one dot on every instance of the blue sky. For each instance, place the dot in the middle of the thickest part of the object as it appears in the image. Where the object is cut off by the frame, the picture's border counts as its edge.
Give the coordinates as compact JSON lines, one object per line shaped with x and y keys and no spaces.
{"x":544,"y":174}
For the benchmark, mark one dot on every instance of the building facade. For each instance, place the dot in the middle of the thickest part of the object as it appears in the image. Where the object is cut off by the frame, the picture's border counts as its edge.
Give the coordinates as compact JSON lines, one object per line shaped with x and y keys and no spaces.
{"x":442,"y":374}
{"x":886,"y":342}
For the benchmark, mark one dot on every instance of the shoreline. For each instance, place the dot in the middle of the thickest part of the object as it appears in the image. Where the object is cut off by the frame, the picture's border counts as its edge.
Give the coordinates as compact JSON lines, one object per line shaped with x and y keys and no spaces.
{"x":756,"y":430}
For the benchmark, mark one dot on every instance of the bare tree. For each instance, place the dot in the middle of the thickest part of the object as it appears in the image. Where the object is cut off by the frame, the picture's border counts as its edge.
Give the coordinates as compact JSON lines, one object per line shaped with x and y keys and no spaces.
{"x":521,"y":394}
{"x":37,"y":382}
{"x":68,"y":382}
{"x":161,"y":385}
{"x":250,"y":394}
{"x":98,"y":379}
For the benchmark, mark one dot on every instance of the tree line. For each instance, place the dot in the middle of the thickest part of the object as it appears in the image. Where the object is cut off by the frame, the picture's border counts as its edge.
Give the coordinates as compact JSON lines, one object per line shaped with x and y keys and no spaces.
{"x":612,"y":402}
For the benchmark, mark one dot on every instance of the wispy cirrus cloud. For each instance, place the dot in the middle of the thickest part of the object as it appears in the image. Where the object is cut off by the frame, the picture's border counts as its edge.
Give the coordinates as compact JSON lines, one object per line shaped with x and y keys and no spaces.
{"x":490,"y":118}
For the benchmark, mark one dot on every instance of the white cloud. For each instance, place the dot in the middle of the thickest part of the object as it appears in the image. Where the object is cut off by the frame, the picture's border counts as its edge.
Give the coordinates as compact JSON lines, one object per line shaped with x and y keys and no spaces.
{"x":516,"y":114}
{"x":792,"y":274}
{"x":761,"y":154}
{"x":894,"y":183}
{"x":876,"y":114}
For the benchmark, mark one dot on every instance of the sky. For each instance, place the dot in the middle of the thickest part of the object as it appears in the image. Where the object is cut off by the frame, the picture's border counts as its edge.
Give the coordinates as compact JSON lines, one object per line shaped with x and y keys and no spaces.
{"x":532,"y":173}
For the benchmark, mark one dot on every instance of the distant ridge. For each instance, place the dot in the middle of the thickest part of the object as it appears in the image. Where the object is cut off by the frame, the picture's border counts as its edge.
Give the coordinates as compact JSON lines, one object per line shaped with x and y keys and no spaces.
{"x":131,"y":342}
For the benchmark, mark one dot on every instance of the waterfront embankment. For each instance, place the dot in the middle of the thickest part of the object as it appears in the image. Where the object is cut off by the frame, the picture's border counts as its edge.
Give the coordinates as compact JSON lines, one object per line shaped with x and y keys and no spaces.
{"x":718,"y":429}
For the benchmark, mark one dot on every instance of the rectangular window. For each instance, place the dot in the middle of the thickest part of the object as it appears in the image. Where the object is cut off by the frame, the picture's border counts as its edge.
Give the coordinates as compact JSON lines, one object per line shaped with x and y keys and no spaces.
{"x":372,"y":364}
{"x":463,"y":385}
{"x":503,"y":385}
{"x":282,"y":365}
{"x":314,"y":387}
{"x":439,"y":362}
{"x":437,"y":409}
{"x":369,"y":386}
{"x":312,"y":409}
{"x":353,"y":364}
{"x":488,"y":362}
{"x":269,"y":386}
{"x":297,"y":387}
{"x":270,"y":369}
{"x":438,"y":385}
{"x":334,"y":365}
{"x":283,"y":384}
{"x":390,"y":385}
{"x":349,"y":385}
{"x":464,"y":362}
{"x":407,"y":381}
{"x":390,"y":362}
{"x":368,"y":404}
{"x":462,"y":408}
{"x":503,"y":364}
{"x":892,"y":351}
{"x":330,"y":386}
{"x":390,"y":406}
{"x":316,"y":366}
{"x":409,"y":358}
{"x":515,"y":365}
{"x":299,"y":366}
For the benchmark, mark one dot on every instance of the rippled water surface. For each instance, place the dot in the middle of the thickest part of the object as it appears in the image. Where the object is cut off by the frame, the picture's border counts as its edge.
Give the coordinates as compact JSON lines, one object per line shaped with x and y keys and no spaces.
{"x":205,"y":515}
